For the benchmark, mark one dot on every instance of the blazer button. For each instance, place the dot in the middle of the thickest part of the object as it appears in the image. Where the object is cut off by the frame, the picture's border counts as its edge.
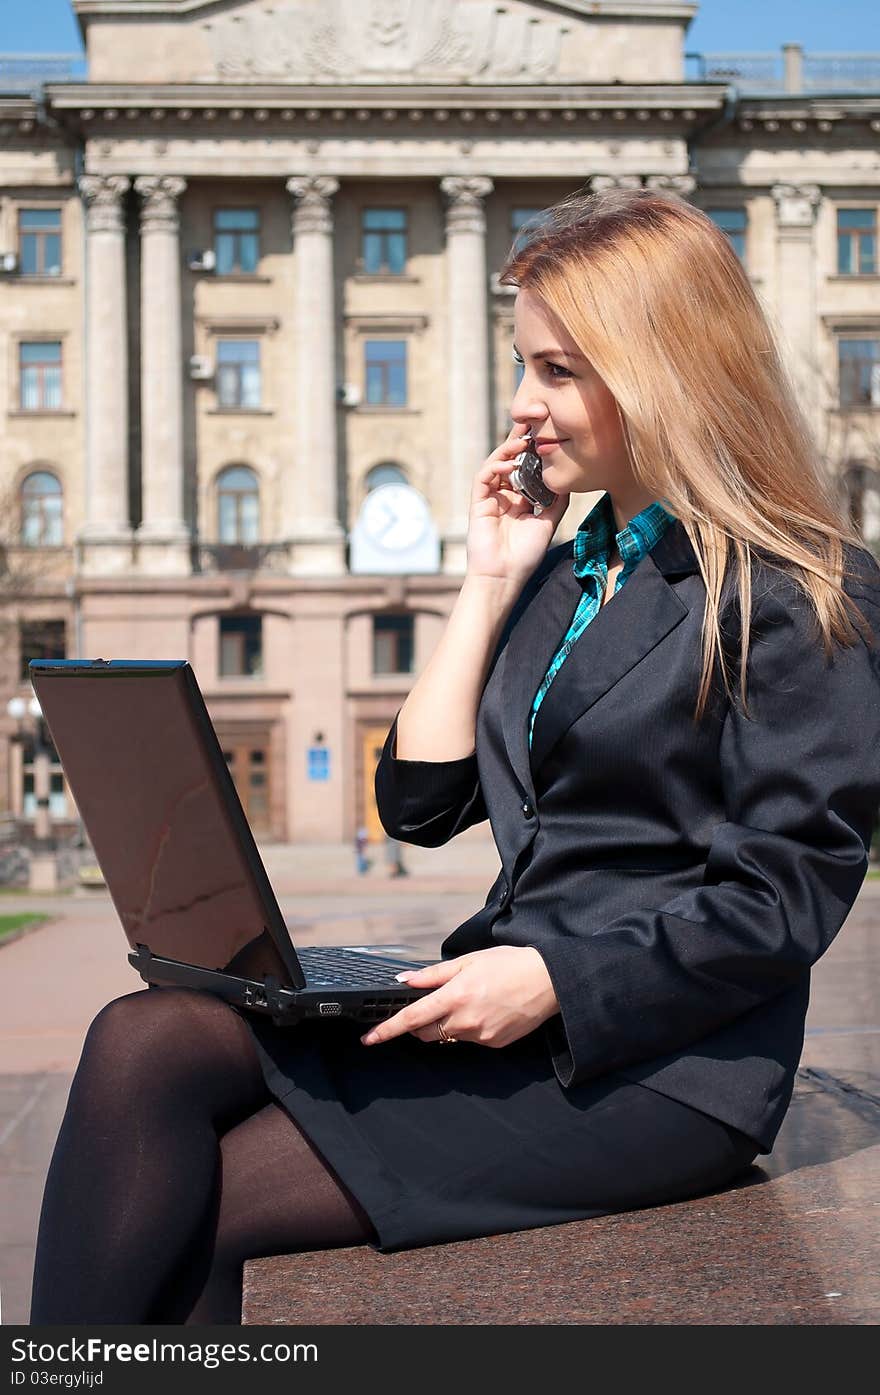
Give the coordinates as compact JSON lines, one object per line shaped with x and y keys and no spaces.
{"x":528,"y":810}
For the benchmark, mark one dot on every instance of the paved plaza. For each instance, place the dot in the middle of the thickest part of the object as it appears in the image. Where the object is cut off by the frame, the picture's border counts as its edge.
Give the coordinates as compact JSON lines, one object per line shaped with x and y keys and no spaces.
{"x":53,"y":980}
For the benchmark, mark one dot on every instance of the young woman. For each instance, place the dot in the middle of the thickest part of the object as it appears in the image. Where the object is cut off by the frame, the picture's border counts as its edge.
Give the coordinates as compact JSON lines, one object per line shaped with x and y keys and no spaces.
{"x":672,"y":722}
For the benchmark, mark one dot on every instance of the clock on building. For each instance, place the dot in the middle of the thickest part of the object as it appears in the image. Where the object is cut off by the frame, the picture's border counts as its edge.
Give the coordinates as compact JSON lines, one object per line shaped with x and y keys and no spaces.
{"x":395,"y":517}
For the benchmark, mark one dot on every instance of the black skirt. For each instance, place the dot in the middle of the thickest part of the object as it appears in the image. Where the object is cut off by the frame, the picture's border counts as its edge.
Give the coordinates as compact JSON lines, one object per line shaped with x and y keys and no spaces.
{"x":448,"y":1142}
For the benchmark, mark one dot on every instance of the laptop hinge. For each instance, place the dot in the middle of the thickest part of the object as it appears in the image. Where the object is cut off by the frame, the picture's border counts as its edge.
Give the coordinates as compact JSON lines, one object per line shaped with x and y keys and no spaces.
{"x":268,"y":994}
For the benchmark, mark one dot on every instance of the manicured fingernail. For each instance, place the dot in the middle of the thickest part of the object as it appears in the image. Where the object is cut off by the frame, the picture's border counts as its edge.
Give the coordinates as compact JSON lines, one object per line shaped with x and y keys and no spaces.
{"x":369,"y":1038}
{"x":402,"y":978}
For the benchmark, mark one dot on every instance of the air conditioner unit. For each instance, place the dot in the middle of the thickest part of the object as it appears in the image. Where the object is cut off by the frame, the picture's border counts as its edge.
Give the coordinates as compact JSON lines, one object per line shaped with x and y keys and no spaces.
{"x":349,"y":394}
{"x":202,"y":261}
{"x":200,"y":367}
{"x":9,"y":261}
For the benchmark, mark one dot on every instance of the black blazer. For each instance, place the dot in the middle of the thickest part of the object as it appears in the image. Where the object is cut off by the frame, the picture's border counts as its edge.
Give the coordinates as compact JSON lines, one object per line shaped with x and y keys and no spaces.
{"x":679,"y":880}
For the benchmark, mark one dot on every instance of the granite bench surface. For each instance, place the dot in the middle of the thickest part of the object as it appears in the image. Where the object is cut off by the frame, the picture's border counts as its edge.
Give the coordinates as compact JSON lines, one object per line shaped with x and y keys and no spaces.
{"x":794,"y":1241}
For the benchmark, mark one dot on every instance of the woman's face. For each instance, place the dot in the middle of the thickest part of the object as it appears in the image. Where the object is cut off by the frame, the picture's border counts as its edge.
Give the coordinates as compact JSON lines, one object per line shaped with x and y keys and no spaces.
{"x":561,"y":397}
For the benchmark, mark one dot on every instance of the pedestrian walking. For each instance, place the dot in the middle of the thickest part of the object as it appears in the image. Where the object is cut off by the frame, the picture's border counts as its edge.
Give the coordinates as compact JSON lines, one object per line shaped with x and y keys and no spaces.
{"x":394,"y":857}
{"x":361,"y":841}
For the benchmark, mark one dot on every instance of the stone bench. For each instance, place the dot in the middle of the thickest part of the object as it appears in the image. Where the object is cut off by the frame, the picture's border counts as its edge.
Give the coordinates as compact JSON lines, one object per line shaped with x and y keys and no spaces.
{"x":792,"y":1241}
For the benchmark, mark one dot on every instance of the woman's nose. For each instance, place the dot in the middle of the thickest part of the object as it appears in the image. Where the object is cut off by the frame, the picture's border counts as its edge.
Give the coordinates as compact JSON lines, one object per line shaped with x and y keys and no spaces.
{"x":528,"y":417}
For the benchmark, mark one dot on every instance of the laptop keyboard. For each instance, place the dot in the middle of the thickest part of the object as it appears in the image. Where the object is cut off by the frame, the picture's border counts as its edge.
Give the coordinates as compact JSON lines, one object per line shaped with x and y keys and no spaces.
{"x":338,"y":968}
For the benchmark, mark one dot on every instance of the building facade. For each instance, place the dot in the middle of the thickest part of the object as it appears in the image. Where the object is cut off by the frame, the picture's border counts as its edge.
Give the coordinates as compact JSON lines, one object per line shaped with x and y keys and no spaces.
{"x":254,"y":348}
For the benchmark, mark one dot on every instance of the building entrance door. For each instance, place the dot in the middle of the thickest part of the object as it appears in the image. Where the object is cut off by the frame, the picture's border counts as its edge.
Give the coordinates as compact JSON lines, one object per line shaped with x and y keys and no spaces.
{"x":248,"y":762}
{"x":373,"y":741}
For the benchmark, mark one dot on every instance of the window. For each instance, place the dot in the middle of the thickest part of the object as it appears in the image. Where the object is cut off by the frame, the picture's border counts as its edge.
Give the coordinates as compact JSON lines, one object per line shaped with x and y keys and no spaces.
{"x":393,"y":643}
{"x":385,"y":371}
{"x":241,"y":646}
{"x":57,"y":796}
{"x":383,"y":240}
{"x":39,"y":374}
{"x":39,"y":241}
{"x":238,"y":372}
{"x":386,"y":473}
{"x":733,"y":222}
{"x":40,"y":639}
{"x":41,"y":505}
{"x":856,"y":241}
{"x":238,"y":505}
{"x":524,"y":221}
{"x":236,"y":239}
{"x":859,"y":372}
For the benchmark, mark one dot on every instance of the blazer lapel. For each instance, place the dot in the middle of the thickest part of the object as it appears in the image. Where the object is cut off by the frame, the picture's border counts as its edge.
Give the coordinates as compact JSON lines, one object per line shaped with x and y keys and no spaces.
{"x":622,"y":632}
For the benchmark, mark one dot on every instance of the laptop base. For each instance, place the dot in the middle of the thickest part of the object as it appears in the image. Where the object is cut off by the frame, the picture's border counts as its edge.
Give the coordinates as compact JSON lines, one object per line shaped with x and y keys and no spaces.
{"x":285,"y":1006}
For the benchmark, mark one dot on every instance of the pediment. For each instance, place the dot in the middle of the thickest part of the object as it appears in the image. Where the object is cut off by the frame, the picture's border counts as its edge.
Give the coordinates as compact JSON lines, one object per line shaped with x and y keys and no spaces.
{"x":357,"y":41}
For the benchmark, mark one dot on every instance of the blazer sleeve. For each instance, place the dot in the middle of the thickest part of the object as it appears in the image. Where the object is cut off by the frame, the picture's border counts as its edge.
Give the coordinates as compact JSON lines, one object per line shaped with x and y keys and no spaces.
{"x":428,"y":802}
{"x":801,"y":780}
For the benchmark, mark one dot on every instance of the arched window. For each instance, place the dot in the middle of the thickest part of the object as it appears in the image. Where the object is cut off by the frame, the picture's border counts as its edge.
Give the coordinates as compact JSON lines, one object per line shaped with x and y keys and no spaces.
{"x":386,"y":473}
{"x":238,"y":505}
{"x":41,"y":510}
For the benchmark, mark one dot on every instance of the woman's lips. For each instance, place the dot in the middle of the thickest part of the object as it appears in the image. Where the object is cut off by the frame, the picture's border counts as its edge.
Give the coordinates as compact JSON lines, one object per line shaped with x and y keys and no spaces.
{"x":547,"y":446}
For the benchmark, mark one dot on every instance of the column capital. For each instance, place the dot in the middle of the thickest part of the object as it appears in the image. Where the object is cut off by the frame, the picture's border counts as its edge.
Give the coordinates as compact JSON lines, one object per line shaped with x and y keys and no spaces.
{"x":102,"y":196}
{"x":465,"y":195}
{"x":159,"y":194}
{"x":681,"y":184}
{"x":598,"y":182}
{"x":796,"y":204}
{"x":312,"y":194}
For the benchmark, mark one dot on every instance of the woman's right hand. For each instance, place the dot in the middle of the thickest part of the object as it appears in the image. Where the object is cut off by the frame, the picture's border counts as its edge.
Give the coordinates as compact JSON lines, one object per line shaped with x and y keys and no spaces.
{"x":506,"y":539}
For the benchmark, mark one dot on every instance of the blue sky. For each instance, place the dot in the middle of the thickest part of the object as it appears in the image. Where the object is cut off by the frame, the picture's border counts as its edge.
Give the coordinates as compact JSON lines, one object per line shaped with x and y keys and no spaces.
{"x":48,"y":26}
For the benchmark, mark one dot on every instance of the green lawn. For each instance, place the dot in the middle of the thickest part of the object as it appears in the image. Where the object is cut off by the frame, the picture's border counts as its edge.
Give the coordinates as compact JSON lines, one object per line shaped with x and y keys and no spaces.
{"x":10,"y":923}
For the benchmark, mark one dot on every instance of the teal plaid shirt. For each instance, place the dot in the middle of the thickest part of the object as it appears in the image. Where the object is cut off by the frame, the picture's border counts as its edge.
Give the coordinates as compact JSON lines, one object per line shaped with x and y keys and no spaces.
{"x":592,"y":547}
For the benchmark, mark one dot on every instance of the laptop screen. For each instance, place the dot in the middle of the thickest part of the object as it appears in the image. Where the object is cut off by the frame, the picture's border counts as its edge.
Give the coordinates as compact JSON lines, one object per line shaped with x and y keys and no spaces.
{"x":162,"y":814}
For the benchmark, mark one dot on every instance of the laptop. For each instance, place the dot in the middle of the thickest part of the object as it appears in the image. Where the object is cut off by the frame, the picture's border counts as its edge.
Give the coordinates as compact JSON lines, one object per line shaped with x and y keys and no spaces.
{"x":177,"y":854}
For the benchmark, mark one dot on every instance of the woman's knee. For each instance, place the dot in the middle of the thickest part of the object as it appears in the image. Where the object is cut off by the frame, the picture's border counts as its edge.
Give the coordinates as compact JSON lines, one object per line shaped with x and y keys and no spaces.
{"x":141,"y":1011}
{"x":149,"y":1032}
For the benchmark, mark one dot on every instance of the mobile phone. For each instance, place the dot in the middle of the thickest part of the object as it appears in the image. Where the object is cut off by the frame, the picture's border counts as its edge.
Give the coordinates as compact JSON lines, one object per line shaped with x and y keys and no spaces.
{"x":527,"y":479}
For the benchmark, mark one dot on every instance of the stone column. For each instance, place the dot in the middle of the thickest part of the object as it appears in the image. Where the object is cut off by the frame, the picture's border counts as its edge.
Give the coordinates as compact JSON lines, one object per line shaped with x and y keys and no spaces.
{"x":105,"y":537}
{"x":163,"y":537}
{"x":796,"y":206}
{"x":467,"y":354}
{"x":310,"y":519}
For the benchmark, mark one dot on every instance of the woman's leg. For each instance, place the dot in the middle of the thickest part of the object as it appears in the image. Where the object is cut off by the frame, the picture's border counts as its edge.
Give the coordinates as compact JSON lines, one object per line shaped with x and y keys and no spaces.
{"x":133,"y":1191}
{"x":262,"y":1212}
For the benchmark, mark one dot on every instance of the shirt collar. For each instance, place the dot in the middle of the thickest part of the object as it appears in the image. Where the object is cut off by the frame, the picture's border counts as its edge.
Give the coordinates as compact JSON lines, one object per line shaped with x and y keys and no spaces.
{"x":596,"y":536}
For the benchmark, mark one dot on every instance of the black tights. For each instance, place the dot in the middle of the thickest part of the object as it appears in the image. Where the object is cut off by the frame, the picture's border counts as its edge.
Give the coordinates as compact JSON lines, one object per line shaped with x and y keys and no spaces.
{"x":165,"y":1174}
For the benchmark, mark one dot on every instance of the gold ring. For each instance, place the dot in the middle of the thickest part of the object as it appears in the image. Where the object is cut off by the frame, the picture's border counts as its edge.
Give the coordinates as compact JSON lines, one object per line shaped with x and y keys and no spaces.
{"x":445,"y":1036}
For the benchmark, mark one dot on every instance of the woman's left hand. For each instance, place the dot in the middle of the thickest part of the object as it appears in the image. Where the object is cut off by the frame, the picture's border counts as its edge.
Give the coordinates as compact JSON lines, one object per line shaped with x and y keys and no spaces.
{"x":493,"y":997}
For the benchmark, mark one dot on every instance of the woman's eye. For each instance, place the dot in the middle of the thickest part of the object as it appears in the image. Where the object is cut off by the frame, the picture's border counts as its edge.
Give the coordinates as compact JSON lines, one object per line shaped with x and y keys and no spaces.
{"x":555,"y":368}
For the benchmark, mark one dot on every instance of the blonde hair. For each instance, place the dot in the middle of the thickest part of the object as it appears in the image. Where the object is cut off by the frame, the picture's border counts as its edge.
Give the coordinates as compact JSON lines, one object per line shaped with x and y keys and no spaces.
{"x":653,"y":294}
